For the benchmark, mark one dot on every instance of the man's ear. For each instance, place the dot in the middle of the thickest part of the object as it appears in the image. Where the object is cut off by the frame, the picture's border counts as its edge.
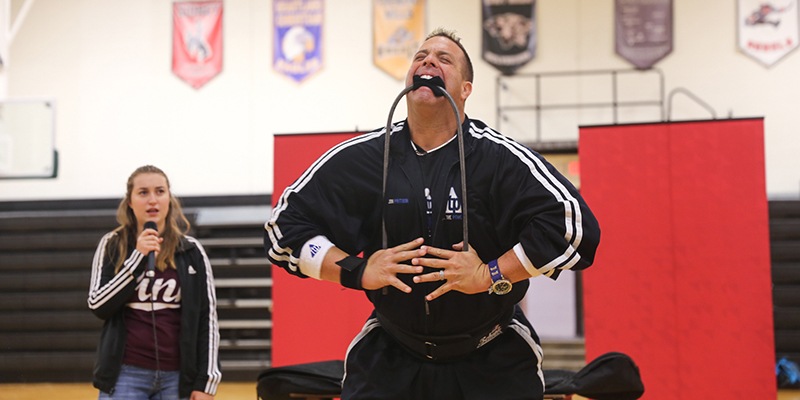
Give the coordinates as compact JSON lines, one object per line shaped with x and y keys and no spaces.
{"x":466,"y":90}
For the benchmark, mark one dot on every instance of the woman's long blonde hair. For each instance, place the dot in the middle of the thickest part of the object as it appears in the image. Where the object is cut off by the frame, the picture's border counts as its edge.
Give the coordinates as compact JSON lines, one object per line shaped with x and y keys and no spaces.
{"x":175,"y":226}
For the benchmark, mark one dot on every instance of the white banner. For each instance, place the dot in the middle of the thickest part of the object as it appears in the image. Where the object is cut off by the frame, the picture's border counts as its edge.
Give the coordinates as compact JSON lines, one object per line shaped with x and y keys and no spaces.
{"x":768,"y":30}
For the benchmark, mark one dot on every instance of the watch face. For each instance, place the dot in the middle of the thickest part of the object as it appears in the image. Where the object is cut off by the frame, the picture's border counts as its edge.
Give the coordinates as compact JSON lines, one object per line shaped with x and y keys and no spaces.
{"x":502,"y":286}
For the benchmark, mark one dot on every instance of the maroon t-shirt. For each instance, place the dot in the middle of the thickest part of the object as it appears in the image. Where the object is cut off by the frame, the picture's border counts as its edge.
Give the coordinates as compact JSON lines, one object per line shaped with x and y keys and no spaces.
{"x":140,"y":346}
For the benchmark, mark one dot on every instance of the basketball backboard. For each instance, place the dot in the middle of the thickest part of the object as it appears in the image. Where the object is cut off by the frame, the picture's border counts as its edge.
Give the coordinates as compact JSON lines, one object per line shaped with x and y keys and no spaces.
{"x":27,"y":139}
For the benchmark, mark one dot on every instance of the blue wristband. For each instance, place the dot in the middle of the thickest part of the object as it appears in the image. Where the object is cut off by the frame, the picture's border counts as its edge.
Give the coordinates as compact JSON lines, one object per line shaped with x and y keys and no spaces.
{"x":494,"y":271}
{"x":500,"y":285}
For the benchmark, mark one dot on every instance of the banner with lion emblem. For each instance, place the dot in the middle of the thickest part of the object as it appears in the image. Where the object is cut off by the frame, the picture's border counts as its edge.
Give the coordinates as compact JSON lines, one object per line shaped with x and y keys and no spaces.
{"x":297,"y":47}
{"x":768,"y":29}
{"x":509,"y":33}
{"x":398,"y":28}
{"x":197,"y":41}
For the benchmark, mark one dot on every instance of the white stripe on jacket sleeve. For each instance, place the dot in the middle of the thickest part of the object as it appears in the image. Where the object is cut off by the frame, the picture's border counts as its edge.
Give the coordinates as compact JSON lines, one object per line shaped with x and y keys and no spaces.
{"x":573,"y":220}
{"x":98,"y":295}
{"x":278,"y":253}
{"x":213,"y":371}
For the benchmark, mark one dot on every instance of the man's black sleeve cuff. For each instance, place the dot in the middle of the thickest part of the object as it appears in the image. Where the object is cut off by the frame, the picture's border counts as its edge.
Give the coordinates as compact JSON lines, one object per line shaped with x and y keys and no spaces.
{"x":352,"y":272}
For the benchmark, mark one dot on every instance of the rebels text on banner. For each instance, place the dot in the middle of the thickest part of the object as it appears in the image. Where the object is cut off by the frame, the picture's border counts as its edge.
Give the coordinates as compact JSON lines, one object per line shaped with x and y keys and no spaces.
{"x":768,"y":30}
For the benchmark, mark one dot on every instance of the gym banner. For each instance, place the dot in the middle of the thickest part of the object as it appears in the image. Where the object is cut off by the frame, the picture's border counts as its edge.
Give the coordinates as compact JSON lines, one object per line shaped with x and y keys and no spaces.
{"x":197,"y":41}
{"x":768,"y":30}
{"x":643,"y":31}
{"x":509,"y":33}
{"x":297,"y":47}
{"x":398,"y":28}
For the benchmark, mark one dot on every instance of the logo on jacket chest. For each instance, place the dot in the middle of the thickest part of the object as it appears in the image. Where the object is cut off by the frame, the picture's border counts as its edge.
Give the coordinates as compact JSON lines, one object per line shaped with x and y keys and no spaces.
{"x":164,"y":290}
{"x":453,"y":208}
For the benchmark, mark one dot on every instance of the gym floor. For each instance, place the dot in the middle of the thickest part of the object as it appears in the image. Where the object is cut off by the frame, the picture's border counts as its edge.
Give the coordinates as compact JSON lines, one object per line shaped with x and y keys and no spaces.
{"x":85,"y":391}
{"x":227,"y":391}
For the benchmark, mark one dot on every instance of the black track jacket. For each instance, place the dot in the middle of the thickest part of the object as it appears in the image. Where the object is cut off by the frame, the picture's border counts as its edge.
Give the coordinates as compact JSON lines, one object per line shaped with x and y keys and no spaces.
{"x":199,"y":336}
{"x":516,"y":200}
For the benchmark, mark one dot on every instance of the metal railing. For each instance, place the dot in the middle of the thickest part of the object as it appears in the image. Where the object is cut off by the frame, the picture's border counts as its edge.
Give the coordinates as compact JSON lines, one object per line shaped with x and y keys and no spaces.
{"x":690,"y":95}
{"x":540,"y":105}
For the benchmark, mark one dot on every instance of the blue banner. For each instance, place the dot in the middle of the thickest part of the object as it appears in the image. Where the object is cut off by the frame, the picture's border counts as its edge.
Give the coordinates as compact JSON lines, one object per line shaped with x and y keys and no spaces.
{"x":297,"y":47}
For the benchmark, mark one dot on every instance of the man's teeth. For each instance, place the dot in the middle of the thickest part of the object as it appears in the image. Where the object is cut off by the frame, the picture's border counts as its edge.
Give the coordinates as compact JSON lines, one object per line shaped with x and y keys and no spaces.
{"x":426,"y":76}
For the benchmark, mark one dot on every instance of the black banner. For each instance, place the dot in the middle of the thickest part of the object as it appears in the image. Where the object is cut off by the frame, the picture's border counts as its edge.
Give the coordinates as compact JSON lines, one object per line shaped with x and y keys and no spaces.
{"x":509,"y":33}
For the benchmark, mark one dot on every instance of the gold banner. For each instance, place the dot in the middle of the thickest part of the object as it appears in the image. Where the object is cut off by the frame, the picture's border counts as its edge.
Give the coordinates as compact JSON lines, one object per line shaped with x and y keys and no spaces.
{"x":398,"y":31}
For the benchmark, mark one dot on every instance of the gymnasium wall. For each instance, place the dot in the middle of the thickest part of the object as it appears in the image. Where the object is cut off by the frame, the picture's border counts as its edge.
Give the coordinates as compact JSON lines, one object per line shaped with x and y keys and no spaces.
{"x":107,"y":66}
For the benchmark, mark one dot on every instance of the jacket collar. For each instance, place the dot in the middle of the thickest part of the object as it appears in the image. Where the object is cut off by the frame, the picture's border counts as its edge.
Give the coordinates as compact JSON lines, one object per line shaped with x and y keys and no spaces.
{"x":185,"y":244}
{"x":401,"y":141}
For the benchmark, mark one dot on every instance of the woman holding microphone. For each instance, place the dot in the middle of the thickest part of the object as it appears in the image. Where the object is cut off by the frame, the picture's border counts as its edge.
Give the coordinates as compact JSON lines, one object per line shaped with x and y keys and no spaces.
{"x":160,"y":339}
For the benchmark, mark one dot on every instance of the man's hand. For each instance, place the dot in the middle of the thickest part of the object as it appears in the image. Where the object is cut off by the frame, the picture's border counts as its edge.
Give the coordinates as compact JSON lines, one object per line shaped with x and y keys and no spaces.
{"x":384,"y":265}
{"x":463,"y":271}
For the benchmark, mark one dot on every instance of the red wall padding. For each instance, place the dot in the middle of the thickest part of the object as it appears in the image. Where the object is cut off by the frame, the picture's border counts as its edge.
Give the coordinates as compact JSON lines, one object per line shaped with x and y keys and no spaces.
{"x":312,"y":320}
{"x":682,"y":279}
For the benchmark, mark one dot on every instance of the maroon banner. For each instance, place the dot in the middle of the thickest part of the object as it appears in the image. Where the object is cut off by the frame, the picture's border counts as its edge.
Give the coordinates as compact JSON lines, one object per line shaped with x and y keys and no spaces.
{"x":643,"y":30}
{"x":197,"y":41}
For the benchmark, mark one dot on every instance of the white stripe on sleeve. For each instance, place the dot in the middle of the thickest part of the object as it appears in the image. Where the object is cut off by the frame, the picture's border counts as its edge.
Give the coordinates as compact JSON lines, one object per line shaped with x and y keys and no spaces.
{"x":213,"y":372}
{"x":526,"y":263}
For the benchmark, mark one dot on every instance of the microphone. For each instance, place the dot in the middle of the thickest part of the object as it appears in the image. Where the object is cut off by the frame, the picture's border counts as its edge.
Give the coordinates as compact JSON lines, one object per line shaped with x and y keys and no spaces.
{"x":151,"y":275}
{"x":151,"y":260}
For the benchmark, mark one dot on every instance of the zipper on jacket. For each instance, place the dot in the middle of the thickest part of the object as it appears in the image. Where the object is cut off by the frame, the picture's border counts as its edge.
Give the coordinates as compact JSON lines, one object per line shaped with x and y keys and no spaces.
{"x":445,"y":196}
{"x":427,"y":324}
{"x":429,"y":214}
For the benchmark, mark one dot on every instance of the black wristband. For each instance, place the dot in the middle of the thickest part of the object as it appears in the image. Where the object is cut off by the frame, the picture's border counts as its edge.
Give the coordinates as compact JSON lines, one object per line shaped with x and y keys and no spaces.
{"x":352,"y":271}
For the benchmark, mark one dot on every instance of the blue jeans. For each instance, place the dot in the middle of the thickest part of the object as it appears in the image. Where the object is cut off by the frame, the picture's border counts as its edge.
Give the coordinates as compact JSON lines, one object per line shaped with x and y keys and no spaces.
{"x":136,"y":383}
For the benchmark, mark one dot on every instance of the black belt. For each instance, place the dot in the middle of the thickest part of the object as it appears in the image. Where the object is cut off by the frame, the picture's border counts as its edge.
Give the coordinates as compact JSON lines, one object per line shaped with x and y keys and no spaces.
{"x":447,"y":348}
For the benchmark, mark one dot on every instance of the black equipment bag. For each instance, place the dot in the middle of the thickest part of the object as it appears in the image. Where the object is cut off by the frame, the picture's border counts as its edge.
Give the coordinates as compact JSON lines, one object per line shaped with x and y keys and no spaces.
{"x":317,"y":378}
{"x":611,"y":376}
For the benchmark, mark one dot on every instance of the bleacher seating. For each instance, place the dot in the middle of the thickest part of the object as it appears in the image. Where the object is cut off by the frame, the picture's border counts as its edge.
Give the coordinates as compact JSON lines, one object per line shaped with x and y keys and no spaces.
{"x":566,"y":354}
{"x":47,"y":333}
{"x":242,"y":276}
{"x":784,"y":227}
